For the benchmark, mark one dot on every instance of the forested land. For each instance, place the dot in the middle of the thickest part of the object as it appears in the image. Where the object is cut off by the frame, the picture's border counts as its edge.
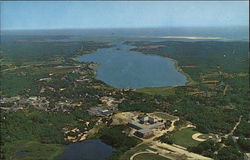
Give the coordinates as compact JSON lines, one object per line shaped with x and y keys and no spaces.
{"x":214,"y":102}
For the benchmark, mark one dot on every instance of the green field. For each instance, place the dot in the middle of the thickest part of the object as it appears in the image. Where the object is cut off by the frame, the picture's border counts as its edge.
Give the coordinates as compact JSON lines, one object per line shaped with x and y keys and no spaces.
{"x":184,"y":137}
{"x":149,"y":156}
{"x":158,"y":90}
{"x":165,"y":116}
{"x":129,"y":153}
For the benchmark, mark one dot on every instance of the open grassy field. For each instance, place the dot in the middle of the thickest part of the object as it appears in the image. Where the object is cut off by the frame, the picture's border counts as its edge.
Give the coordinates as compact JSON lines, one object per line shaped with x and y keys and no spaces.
{"x":134,"y":150}
{"x":158,"y":90}
{"x":164,"y":91}
{"x":184,"y":137}
{"x":165,"y":116}
{"x":149,"y":156}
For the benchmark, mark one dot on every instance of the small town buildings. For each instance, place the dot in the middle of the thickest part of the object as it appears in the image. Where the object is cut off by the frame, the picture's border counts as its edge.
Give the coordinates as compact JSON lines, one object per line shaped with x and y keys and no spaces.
{"x":106,"y":113}
{"x":168,"y":123}
{"x":144,"y":119}
{"x":10,"y":100}
{"x":102,"y":111}
{"x":45,"y":79}
{"x":152,"y":120}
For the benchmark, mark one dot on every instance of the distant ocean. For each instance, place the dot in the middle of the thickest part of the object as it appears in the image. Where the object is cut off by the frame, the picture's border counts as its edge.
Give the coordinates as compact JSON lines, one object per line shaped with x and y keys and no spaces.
{"x":236,"y":33}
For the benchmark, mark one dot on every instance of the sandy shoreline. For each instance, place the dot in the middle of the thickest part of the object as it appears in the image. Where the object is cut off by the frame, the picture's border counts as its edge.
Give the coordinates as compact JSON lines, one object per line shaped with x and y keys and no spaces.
{"x":191,"y":37}
{"x":179,"y":69}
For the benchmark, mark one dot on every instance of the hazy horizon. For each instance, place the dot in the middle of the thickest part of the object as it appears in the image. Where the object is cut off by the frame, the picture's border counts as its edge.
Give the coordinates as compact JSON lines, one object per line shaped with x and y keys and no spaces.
{"x":49,"y":15}
{"x":236,"y":33}
{"x":204,"y":27}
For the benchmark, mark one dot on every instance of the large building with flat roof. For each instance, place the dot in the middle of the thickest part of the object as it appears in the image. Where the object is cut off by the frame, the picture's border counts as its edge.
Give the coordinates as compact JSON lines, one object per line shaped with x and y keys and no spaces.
{"x":135,"y":125}
{"x":144,"y":133}
{"x":145,"y":126}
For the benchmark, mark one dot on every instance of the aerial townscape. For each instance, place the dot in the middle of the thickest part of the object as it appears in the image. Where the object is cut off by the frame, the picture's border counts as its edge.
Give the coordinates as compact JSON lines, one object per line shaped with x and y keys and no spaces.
{"x":123,"y":92}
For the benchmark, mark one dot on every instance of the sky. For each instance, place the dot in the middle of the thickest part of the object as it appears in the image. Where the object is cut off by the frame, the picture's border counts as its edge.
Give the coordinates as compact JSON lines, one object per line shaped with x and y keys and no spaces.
{"x":122,"y":14}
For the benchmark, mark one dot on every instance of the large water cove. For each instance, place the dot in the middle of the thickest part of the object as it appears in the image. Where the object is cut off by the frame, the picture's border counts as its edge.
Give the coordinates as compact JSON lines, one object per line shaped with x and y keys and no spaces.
{"x":121,"y":68}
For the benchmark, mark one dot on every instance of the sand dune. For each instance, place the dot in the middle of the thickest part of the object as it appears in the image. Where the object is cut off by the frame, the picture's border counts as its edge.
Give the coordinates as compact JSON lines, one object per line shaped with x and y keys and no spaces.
{"x":190,"y":37}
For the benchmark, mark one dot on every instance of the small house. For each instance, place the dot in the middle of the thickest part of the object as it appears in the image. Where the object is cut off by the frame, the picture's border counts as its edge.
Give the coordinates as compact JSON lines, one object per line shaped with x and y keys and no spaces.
{"x":152,"y":120}
{"x":144,"y":119}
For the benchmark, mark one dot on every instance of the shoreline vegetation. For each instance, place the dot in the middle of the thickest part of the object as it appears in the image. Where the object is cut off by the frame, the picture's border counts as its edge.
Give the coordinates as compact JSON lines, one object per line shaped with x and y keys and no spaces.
{"x":190,"y":81}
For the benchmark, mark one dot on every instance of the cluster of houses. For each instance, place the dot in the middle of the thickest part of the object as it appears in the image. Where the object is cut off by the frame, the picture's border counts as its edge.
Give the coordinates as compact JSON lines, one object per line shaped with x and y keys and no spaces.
{"x":74,"y":135}
{"x":45,"y":79}
{"x":83,"y":79}
{"x":10,"y":100}
{"x":18,"y":103}
{"x":82,"y":68}
{"x":109,"y":101}
{"x":145,"y":124}
{"x":106,"y":111}
{"x":14,"y":104}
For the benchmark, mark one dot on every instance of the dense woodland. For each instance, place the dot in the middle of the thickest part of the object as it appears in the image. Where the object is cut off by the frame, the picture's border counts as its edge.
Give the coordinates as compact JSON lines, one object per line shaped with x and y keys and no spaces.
{"x":24,"y":62}
{"x":217,"y":113}
{"x":230,"y":58}
{"x":115,"y":137}
{"x":207,"y":56}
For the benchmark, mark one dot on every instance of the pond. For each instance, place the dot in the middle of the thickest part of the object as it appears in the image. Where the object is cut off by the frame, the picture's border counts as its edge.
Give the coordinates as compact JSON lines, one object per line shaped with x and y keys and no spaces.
{"x":121,"y":68}
{"x":92,"y":149}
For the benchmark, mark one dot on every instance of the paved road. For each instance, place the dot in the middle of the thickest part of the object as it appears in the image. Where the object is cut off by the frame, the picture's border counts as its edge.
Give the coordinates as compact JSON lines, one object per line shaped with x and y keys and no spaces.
{"x":192,"y":156}
{"x":234,"y":128}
